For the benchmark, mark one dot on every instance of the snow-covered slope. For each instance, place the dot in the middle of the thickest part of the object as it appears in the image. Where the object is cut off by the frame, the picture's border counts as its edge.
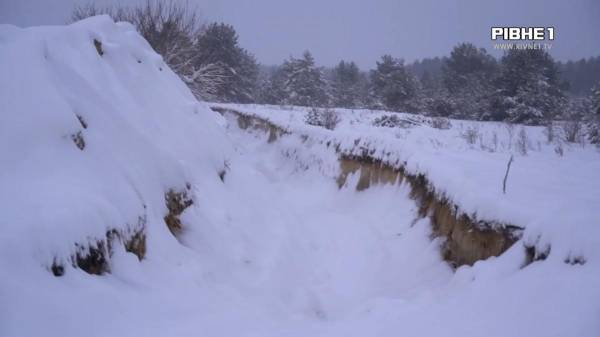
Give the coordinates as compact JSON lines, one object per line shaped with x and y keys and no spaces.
{"x":95,"y":131}
{"x":92,"y":142}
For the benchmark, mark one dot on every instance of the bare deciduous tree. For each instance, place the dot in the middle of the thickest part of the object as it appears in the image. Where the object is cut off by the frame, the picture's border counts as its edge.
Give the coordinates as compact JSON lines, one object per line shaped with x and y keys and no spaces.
{"x":205,"y":80}
{"x":117,"y":13}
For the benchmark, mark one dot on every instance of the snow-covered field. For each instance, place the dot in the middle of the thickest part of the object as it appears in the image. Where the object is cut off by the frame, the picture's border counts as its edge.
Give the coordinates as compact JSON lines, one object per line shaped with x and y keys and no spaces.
{"x":92,"y":137}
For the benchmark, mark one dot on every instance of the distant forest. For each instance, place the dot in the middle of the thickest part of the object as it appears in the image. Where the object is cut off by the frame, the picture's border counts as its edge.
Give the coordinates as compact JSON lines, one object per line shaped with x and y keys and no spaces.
{"x":579,"y":76}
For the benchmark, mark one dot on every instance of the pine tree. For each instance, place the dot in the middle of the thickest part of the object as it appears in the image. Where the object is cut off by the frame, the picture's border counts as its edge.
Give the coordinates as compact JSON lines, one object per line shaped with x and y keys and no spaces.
{"x":270,"y":86}
{"x":467,"y":76}
{"x":436,"y":99}
{"x":595,"y":98}
{"x":594,"y":125}
{"x":346,"y":85}
{"x":529,"y":88}
{"x":218,"y":44}
{"x":581,"y":75}
{"x":303,"y":82}
{"x":393,"y":85}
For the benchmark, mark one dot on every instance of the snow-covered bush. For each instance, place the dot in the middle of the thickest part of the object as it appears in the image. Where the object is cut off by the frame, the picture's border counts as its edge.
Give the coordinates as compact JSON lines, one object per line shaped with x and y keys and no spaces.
{"x":327,"y":118}
{"x":441,"y":104}
{"x":522,"y":141}
{"x":471,"y":134}
{"x":331,"y":119}
{"x":559,"y":150}
{"x":393,"y":121}
{"x":572,"y":131}
{"x":494,"y":141}
{"x":510,"y":129}
{"x":549,"y":132}
{"x":313,"y":117}
{"x":440,"y":123}
{"x":388,"y":121}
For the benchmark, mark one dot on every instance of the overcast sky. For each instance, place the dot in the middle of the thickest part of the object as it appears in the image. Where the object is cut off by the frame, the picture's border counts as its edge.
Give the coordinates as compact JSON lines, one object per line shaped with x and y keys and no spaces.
{"x":364,"y":30}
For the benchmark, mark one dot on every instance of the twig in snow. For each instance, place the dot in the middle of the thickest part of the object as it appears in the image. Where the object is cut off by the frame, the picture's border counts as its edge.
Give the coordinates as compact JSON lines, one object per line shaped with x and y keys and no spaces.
{"x":506,"y":175}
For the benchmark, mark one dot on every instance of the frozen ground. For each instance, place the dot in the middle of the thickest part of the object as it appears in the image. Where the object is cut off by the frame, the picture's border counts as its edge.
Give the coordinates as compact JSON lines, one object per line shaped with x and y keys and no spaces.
{"x":273,"y":250}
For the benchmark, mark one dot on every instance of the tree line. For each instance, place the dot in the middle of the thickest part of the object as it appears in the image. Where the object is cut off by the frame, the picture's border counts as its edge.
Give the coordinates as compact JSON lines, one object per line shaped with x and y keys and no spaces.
{"x":523,"y":86}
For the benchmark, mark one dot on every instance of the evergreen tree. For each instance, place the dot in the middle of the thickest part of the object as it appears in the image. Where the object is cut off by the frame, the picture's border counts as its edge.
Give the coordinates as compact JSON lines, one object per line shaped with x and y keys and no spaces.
{"x":581,"y":75}
{"x":594,"y":125}
{"x":429,"y":83}
{"x":218,"y":44}
{"x":435,"y":98}
{"x":346,"y":85}
{"x":468,"y":76}
{"x":393,"y":85}
{"x":432,"y":66}
{"x":271,"y":86}
{"x":303,"y":82}
{"x":529,"y":87}
{"x":595,"y":98}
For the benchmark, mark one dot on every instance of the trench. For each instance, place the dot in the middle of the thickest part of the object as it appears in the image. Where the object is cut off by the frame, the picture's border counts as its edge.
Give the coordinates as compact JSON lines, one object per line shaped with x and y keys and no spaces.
{"x":467,"y":239}
{"x":315,"y":249}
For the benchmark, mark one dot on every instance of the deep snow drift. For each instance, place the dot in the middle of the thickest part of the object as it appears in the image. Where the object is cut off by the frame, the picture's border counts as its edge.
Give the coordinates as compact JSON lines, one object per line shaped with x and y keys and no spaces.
{"x":91,"y":141}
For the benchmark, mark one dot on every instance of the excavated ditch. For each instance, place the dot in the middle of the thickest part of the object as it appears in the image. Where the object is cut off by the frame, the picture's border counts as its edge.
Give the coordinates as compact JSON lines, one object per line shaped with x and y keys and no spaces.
{"x":467,"y":238}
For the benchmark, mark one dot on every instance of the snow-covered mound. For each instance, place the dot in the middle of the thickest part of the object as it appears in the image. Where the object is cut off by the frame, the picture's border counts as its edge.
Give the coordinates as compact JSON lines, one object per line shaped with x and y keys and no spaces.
{"x":94,"y":130}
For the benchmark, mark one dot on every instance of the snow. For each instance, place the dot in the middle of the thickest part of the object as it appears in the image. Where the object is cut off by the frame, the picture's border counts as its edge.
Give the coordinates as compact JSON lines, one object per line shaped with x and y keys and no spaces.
{"x":553,"y":197}
{"x":276,"y":249}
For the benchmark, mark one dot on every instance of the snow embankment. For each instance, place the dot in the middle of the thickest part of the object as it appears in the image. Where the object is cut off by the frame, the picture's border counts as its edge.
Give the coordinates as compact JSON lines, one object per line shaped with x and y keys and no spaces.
{"x":95,"y":129}
{"x":552,"y":190}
